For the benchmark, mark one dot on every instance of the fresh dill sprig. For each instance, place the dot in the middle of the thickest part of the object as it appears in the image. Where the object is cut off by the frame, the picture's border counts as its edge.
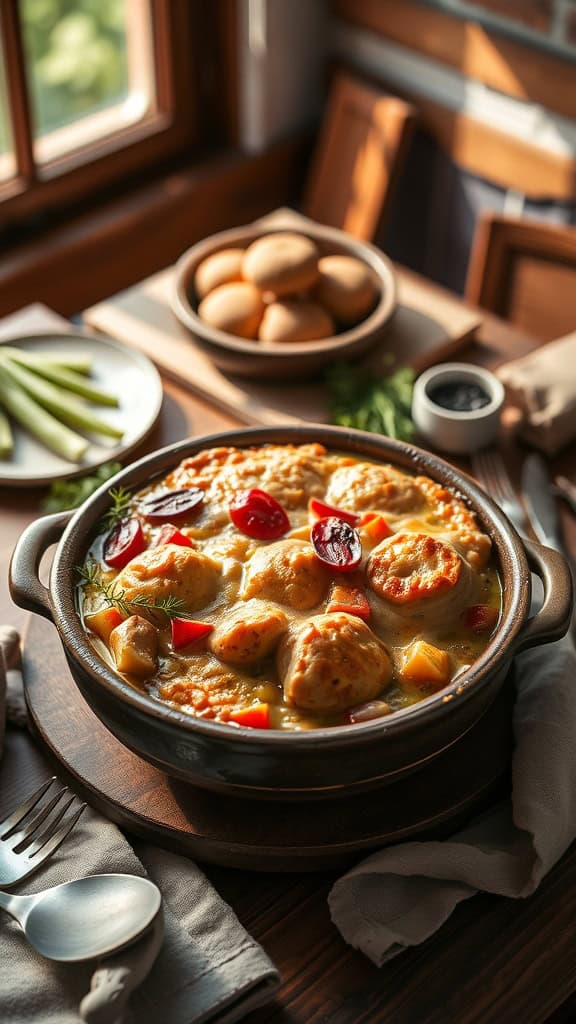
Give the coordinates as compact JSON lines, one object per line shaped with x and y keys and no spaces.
{"x":121,"y":501}
{"x":115,"y":597}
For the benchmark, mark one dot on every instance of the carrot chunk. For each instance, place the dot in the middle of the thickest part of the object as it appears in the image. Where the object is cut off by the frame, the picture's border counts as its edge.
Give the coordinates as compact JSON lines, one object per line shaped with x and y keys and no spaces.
{"x":374,"y":527}
{"x":351,"y":600}
{"x":257,"y":716}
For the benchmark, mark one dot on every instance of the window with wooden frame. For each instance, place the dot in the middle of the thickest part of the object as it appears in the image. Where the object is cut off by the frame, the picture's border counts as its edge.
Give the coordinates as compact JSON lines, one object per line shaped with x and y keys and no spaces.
{"x":93,"y":92}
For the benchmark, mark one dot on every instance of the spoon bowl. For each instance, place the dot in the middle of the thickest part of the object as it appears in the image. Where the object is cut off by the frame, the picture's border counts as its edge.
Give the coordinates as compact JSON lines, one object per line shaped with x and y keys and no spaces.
{"x":87,"y":918}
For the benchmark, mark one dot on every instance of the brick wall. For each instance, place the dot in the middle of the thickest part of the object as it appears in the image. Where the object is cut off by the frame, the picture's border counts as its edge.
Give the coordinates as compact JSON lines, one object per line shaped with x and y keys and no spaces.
{"x":550,"y":22}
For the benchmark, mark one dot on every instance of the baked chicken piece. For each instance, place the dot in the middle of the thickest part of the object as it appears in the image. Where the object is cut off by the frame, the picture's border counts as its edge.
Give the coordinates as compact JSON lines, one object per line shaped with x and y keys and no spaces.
{"x":248,"y":632}
{"x":332,"y":662}
{"x":171,"y":571}
{"x":287,"y":572}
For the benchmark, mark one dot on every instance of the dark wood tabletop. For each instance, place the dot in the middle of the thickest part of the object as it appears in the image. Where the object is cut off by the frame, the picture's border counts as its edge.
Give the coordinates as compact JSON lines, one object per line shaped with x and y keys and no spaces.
{"x":495,"y":960}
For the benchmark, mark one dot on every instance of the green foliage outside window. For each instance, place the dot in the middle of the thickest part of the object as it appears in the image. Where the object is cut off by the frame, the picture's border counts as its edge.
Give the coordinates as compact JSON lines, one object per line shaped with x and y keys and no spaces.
{"x":76,"y":55}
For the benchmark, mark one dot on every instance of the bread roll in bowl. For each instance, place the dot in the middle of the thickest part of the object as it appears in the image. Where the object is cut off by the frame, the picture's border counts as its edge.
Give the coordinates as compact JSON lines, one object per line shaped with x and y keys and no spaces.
{"x":220,"y":268}
{"x":288,"y":320}
{"x":283,"y":263}
{"x":345,"y":288}
{"x":235,"y":308}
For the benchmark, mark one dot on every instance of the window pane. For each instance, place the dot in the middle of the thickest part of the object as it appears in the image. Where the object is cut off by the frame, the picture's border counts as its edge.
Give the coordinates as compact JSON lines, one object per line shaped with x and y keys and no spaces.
{"x":7,"y":164}
{"x":89,"y":66}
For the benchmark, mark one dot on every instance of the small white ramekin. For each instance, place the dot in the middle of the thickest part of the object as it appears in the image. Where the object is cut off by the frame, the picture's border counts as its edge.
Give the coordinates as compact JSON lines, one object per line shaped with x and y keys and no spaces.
{"x":457,"y":433}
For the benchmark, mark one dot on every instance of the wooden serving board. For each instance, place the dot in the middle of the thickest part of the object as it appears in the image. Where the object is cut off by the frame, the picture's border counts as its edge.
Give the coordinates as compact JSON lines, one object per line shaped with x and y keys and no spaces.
{"x":428,"y":326}
{"x":254,"y":834}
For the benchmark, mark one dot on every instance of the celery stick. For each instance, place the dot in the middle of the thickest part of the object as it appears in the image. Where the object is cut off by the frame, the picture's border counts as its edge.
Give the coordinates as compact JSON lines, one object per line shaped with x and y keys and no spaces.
{"x":62,"y":376}
{"x":40,"y":423}
{"x":74,"y":361}
{"x":6,"y":438}
{"x":57,"y":401}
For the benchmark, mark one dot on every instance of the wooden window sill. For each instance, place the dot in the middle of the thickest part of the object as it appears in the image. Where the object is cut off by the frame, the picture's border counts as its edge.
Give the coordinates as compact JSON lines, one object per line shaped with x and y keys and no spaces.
{"x":118,"y":243}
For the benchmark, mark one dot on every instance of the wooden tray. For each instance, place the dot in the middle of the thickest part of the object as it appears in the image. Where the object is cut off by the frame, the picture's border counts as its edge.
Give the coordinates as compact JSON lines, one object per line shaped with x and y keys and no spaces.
{"x":262,"y":835}
{"x":429,"y":325}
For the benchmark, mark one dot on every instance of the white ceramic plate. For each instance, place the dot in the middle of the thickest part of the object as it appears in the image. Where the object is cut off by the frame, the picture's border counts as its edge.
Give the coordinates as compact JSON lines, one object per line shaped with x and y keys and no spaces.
{"x":116,"y":368}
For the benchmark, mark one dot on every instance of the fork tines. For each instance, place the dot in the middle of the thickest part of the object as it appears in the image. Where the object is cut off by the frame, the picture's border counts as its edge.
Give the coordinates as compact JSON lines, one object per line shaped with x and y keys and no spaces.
{"x":35,"y":822}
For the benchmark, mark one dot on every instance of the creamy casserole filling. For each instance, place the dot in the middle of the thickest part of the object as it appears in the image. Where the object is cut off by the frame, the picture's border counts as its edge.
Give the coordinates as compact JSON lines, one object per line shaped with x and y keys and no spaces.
{"x":289,"y":587}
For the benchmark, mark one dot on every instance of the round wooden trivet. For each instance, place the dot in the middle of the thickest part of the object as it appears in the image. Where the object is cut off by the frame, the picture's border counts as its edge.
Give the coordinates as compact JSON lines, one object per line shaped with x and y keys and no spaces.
{"x":255,"y":834}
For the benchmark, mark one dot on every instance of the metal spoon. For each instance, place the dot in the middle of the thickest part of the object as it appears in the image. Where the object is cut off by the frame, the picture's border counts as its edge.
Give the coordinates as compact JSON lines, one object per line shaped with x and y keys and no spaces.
{"x":86,"y":918}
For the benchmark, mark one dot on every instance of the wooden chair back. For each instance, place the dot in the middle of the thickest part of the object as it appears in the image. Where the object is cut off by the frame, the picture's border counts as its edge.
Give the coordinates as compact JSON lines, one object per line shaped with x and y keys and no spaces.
{"x":525,"y":271}
{"x":359,"y":156}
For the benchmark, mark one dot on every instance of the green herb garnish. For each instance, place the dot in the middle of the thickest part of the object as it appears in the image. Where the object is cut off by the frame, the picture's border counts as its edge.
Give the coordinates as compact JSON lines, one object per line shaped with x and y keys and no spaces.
{"x":121,"y":501}
{"x":381,"y":406}
{"x":65,"y":494}
{"x":115,"y":596}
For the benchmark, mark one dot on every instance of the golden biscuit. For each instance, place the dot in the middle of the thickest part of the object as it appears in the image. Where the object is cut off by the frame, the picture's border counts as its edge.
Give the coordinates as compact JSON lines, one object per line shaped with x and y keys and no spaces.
{"x":408,"y":567}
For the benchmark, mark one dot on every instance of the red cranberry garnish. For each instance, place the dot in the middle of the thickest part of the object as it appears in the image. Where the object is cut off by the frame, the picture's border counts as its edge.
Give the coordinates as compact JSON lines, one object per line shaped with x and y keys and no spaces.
{"x":337,"y":544}
{"x":123,"y":543}
{"x":159,"y":508}
{"x":259,"y":515}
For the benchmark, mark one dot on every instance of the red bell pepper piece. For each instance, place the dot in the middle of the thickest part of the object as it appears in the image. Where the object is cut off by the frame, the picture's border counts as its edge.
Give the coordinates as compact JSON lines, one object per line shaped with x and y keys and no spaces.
{"x":321,"y":510}
{"x":123,"y":543}
{"x":481,"y":618}
{"x":351,"y":600}
{"x":170,"y":534}
{"x":375,"y":527}
{"x":257,"y":716}
{"x":188,"y":631}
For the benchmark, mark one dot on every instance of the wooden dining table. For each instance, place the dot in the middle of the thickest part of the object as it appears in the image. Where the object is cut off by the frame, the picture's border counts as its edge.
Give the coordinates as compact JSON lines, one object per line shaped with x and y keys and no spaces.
{"x":499,"y":960}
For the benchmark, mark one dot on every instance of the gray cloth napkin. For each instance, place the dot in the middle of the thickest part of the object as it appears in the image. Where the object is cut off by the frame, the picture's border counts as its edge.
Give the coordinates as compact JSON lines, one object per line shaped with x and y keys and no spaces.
{"x":208,"y":968}
{"x":543,"y":386}
{"x":400,"y":896}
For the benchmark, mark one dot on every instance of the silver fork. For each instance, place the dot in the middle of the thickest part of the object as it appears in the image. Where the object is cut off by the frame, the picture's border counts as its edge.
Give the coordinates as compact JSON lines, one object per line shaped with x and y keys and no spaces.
{"x":34,"y":831}
{"x":490,"y":470}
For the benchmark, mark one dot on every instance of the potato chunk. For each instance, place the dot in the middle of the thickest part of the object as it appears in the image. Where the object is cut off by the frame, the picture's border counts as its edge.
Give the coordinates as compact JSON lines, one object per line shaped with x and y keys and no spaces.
{"x":332,"y":662}
{"x":134,"y":644}
{"x":103,"y":622}
{"x":171,"y":571}
{"x":248,"y":632}
{"x":287,"y":572}
{"x":424,"y":663}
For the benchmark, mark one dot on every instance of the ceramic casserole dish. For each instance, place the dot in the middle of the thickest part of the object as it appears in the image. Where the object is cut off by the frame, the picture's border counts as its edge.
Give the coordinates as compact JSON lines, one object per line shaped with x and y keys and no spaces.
{"x":306,"y":764}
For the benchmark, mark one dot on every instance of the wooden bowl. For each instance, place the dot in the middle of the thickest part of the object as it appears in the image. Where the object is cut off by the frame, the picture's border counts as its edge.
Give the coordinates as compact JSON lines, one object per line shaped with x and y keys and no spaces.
{"x":277,"y":361}
{"x":316,"y":763}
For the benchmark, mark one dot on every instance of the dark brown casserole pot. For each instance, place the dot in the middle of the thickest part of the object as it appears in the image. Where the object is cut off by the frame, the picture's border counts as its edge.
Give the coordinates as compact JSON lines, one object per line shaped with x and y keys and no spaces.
{"x":316,"y":763}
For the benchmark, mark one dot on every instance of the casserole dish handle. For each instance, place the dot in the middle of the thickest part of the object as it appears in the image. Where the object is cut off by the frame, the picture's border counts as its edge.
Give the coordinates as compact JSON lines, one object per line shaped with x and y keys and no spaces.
{"x":25,"y":587}
{"x":551,"y":622}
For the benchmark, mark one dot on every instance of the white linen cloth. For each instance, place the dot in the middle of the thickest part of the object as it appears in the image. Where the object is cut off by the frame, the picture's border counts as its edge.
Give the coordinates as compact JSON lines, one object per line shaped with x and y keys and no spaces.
{"x":208,"y":969}
{"x":400,"y":896}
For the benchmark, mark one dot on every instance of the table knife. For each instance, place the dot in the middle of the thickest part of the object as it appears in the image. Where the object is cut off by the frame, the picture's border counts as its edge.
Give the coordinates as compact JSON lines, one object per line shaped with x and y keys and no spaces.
{"x":541,"y":502}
